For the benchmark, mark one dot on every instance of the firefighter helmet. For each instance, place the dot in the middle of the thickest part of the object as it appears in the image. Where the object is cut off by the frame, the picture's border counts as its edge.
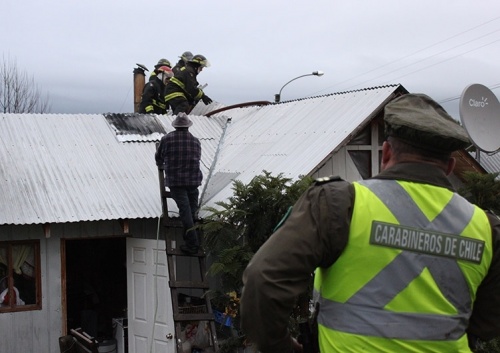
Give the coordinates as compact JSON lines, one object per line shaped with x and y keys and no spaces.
{"x":200,"y":60}
{"x":163,"y":62}
{"x":166,"y":70}
{"x":186,"y":56}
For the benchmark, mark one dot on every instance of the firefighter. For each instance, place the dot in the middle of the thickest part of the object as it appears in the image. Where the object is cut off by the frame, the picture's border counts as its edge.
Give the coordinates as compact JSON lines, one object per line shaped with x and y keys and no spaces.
{"x":184,"y":58}
{"x":161,"y":62}
{"x":182,"y":92}
{"x":152,"y":101}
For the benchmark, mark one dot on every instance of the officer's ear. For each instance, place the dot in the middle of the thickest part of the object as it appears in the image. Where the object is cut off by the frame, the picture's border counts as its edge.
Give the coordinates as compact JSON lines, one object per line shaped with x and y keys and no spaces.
{"x":387,"y":155}
{"x":451,"y":165}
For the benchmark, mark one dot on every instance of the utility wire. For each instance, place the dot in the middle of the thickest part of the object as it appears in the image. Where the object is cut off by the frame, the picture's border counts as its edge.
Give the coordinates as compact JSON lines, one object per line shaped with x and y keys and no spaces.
{"x":458,"y":97}
{"x":126,"y":97}
{"x":442,"y":61}
{"x":409,"y":55}
{"x":429,"y":57}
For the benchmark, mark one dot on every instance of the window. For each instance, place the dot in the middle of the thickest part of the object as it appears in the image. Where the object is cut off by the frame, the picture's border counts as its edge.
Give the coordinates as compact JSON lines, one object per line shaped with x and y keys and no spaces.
{"x":20,"y":288}
{"x":362,"y":161}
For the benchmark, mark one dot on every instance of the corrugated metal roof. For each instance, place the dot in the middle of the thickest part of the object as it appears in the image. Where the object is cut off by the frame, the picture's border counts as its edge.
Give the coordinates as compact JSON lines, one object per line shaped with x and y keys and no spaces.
{"x":135,"y":127}
{"x":58,"y":168}
{"x":202,"y":109}
{"x":292,"y":137}
{"x":490,"y":162}
{"x":66,"y":168}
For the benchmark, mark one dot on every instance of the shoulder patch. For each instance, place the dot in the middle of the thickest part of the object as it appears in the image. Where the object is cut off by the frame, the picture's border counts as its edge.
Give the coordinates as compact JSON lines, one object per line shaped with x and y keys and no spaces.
{"x":287,"y":214}
{"x":324,"y":180}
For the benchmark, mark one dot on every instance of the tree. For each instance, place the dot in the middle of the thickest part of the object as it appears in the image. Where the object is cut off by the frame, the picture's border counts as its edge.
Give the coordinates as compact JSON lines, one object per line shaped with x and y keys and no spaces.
{"x":482,"y":190}
{"x":19,"y":92}
{"x":235,"y":230}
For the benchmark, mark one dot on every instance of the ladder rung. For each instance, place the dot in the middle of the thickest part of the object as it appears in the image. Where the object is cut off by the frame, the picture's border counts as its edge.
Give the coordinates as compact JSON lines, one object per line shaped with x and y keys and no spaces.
{"x":172,"y":224}
{"x":194,"y":317}
{"x":191,"y":313}
{"x":178,"y":252}
{"x":188,"y":284}
{"x":168,"y":222}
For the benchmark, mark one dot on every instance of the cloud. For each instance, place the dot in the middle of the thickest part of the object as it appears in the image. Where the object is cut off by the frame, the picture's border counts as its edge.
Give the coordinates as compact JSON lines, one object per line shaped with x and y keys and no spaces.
{"x":83,"y":52}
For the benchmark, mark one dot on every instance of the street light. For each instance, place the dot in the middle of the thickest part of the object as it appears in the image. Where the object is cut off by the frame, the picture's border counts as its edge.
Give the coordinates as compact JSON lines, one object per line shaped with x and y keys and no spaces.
{"x":277,"y":97}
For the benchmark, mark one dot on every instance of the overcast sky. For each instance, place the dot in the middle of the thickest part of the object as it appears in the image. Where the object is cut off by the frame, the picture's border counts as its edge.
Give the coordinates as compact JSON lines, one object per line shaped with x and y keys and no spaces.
{"x":83,"y":52}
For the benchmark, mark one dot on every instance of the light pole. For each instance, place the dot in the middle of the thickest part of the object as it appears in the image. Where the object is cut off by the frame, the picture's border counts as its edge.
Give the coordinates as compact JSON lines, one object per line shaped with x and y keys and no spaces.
{"x":277,"y":97}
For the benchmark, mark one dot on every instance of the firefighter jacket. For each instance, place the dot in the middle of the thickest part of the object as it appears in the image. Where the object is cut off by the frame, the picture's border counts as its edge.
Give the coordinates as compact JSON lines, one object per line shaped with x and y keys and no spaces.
{"x":184,"y":85}
{"x":416,"y":255}
{"x":178,"y":67}
{"x":152,"y":101}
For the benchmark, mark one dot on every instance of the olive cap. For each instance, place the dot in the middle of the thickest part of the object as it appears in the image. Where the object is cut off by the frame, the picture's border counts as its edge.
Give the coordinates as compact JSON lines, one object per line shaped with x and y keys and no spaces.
{"x":421,"y":122}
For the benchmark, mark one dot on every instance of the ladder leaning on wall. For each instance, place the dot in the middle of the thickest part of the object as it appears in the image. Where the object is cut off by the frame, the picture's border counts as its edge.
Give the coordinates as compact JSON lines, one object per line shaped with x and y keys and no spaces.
{"x":184,"y":314}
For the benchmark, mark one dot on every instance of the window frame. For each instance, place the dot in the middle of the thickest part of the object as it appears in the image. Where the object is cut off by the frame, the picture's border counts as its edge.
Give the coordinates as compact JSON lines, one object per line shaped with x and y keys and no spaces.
{"x":37,"y":275}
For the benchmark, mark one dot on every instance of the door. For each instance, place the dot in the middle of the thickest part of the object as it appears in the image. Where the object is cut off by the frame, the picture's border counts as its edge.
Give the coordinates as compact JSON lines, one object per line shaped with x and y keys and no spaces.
{"x":150,"y":318}
{"x":95,"y":284}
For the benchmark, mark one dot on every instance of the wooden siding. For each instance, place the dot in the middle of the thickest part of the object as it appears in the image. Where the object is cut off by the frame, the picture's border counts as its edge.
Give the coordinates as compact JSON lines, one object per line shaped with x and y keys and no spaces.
{"x":39,"y":330}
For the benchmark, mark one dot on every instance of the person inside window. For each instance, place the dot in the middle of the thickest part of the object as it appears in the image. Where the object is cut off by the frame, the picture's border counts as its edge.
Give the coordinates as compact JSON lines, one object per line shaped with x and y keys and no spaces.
{"x":5,"y":295}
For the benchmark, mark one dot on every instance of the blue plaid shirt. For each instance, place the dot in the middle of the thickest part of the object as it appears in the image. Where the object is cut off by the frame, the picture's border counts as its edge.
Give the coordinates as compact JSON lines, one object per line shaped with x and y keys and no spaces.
{"x":180,"y":153}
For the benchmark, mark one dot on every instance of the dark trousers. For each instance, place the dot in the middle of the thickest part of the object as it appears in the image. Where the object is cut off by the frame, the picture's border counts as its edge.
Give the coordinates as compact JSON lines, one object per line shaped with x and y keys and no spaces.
{"x":179,"y":105}
{"x":186,"y":198}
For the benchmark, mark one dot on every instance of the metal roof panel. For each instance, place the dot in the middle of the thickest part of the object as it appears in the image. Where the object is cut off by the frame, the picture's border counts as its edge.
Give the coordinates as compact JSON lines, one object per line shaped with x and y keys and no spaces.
{"x":57,"y":168}
{"x":293,"y":137}
{"x":67,"y":168}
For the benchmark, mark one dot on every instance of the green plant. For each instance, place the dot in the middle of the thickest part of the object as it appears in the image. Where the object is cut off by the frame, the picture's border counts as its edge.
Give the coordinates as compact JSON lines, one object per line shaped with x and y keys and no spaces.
{"x":482,"y":190}
{"x":236,"y":229}
{"x":492,"y":346}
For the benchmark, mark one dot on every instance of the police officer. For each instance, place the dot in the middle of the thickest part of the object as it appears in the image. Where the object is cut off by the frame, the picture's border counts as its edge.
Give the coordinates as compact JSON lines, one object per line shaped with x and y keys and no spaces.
{"x":403,"y":263}
{"x":182,"y":92}
{"x":152,"y":100}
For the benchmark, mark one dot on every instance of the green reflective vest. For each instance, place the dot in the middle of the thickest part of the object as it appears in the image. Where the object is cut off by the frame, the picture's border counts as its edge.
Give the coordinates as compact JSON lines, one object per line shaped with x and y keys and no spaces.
{"x":408,"y":276}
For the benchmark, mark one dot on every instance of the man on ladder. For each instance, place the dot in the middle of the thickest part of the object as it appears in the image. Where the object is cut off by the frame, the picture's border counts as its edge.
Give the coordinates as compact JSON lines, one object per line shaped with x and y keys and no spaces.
{"x":178,"y":159}
{"x":179,"y":153}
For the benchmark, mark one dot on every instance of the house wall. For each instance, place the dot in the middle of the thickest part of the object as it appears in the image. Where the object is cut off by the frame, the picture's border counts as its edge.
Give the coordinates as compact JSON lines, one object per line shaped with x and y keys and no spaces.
{"x":39,"y":330}
{"x":368,"y":142}
{"x":340,"y":164}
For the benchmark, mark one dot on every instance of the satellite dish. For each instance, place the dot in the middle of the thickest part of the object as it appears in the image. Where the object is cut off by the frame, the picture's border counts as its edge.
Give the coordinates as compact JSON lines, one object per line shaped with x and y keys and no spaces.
{"x":480,"y":115}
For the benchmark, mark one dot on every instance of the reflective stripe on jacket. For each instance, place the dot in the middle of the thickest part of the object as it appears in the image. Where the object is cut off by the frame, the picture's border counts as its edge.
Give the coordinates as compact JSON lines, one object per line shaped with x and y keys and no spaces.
{"x":152,"y":97}
{"x":408,"y":277}
{"x":184,"y":85}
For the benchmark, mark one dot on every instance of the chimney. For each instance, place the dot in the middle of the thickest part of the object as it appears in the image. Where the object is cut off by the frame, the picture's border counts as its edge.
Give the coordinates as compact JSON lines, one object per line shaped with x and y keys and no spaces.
{"x":139,"y":82}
